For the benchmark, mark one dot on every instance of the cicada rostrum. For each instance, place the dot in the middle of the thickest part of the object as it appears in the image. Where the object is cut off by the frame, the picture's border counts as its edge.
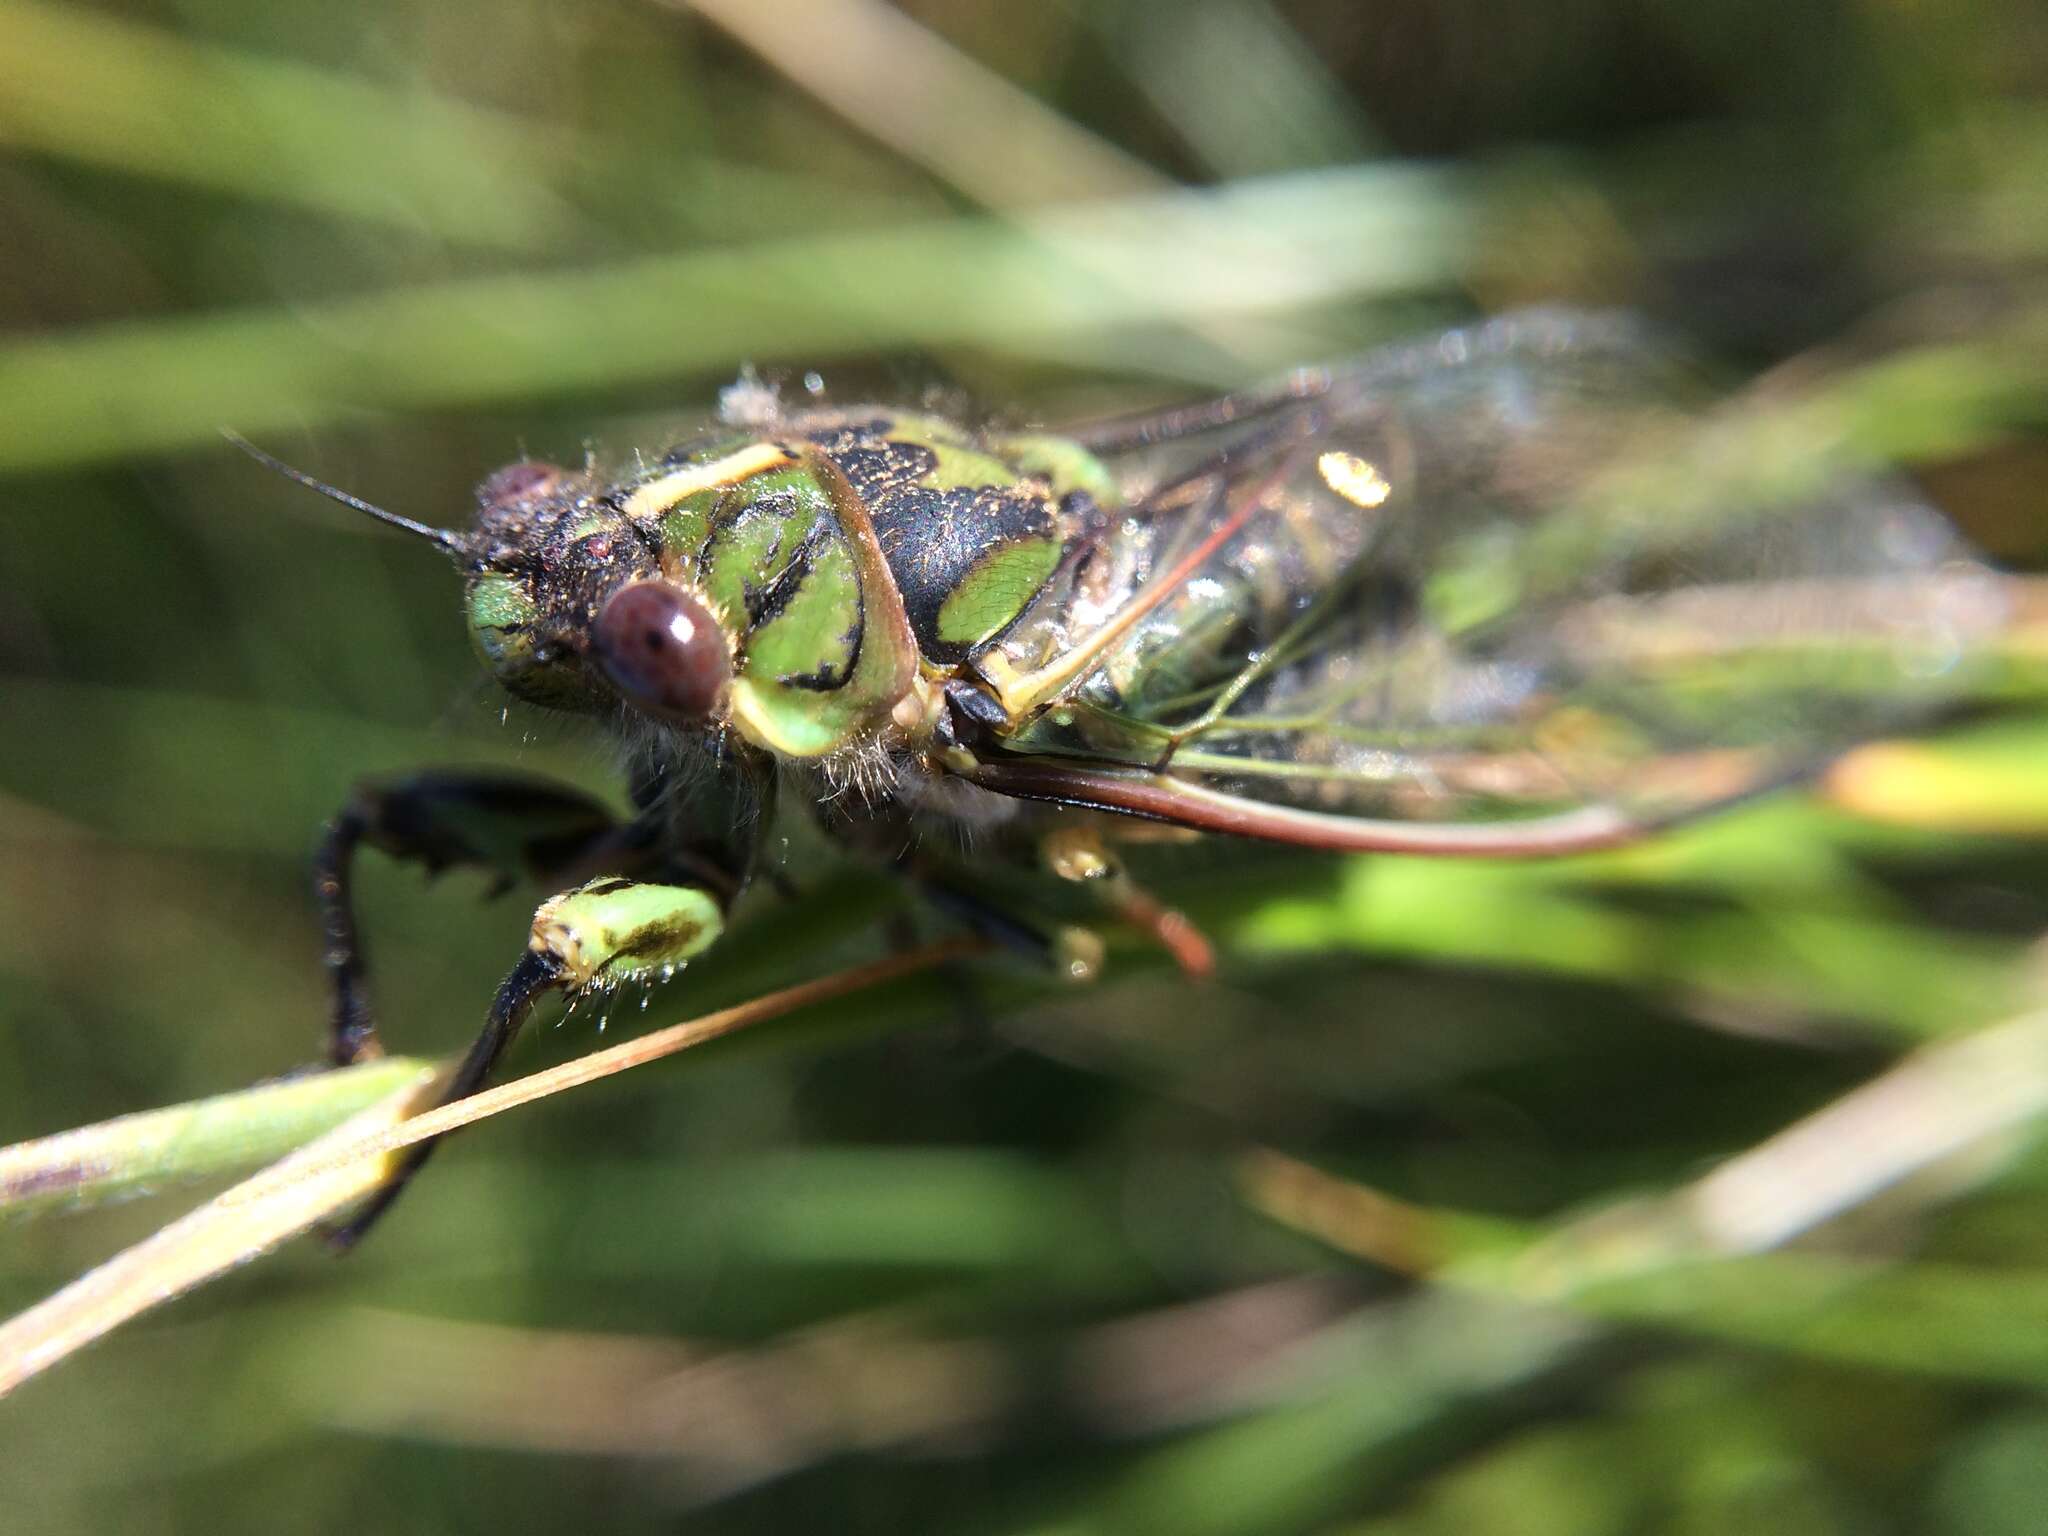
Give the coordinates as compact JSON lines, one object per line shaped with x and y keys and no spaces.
{"x":1506,"y":591}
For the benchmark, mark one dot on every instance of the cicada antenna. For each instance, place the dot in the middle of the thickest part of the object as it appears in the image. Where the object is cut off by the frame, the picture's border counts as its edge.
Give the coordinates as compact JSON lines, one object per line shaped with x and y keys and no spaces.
{"x":446,"y":540}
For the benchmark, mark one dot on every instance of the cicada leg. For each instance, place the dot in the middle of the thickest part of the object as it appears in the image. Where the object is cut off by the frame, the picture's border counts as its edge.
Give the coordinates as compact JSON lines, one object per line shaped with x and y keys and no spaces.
{"x":512,"y":826}
{"x":957,"y":887}
{"x":1079,"y":851}
{"x":978,"y":913}
{"x":611,"y":932}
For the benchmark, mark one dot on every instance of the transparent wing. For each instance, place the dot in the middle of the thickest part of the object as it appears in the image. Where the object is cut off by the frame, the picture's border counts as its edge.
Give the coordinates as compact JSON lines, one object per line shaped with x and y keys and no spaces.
{"x":1513,"y":575}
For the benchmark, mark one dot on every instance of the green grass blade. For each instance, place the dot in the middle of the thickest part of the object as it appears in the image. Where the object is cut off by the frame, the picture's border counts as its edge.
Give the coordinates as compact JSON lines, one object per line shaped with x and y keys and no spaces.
{"x":78,"y":85}
{"x":164,"y":384}
{"x":142,"y":1153}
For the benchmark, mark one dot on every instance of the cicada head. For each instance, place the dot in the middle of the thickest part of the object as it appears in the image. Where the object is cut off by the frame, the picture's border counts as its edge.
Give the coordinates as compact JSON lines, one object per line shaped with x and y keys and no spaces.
{"x":514,"y":600}
{"x":569,"y":607}
{"x":567,"y":601}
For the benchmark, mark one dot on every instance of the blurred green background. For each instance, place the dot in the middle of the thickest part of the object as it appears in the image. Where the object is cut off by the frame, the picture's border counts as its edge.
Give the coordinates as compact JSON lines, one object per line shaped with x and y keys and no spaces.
{"x":1423,"y":1216}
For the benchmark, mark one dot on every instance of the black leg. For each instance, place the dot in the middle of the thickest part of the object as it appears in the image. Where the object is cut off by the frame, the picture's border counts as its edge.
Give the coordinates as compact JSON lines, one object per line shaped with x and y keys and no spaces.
{"x":981,"y":915}
{"x":609,"y":932}
{"x":351,"y":1035}
{"x":647,"y":895}
{"x":536,"y":973}
{"x":510,"y":826}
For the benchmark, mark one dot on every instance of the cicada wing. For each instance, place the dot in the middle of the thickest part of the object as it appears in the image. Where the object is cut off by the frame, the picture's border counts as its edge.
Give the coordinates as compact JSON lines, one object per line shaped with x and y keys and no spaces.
{"x":1515,"y":572}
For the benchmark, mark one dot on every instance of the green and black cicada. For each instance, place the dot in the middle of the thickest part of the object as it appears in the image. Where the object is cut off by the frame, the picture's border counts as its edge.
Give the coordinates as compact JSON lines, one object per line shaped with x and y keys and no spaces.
{"x":1505,"y":591}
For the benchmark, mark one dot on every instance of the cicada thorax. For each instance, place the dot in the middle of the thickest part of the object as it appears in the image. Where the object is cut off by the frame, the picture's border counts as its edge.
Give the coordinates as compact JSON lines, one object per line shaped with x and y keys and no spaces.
{"x":849,"y":556}
{"x":970,"y":533}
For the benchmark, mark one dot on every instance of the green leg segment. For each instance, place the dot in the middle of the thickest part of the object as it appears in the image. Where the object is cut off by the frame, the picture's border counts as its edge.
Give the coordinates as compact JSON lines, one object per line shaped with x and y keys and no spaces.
{"x":604,"y":934}
{"x":513,"y":827}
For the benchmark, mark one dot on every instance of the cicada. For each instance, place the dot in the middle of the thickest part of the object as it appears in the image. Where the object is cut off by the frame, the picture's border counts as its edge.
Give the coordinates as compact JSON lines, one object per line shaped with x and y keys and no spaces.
{"x":1504,"y":591}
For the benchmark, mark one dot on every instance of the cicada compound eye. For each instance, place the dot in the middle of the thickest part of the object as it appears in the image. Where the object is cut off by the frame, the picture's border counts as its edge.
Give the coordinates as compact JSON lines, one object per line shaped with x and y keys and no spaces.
{"x":525,"y":481}
{"x":663,"y":651}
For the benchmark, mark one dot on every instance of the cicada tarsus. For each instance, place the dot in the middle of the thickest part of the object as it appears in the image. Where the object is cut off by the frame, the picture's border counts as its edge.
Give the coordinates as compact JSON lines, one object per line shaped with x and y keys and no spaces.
{"x":1505,"y":591}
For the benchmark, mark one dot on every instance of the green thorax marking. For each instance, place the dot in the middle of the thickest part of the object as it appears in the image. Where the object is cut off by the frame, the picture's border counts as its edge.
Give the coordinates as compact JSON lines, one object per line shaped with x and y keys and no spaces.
{"x":820,"y":651}
{"x":971,"y":527}
{"x":874,"y":539}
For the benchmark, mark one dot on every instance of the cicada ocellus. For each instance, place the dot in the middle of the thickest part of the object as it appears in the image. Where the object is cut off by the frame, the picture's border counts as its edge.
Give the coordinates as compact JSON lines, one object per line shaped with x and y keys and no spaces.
{"x":1506,"y":591}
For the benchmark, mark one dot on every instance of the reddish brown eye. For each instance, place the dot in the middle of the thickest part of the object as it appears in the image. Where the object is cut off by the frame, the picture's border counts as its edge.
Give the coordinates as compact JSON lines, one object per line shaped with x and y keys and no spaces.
{"x":663,"y":650}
